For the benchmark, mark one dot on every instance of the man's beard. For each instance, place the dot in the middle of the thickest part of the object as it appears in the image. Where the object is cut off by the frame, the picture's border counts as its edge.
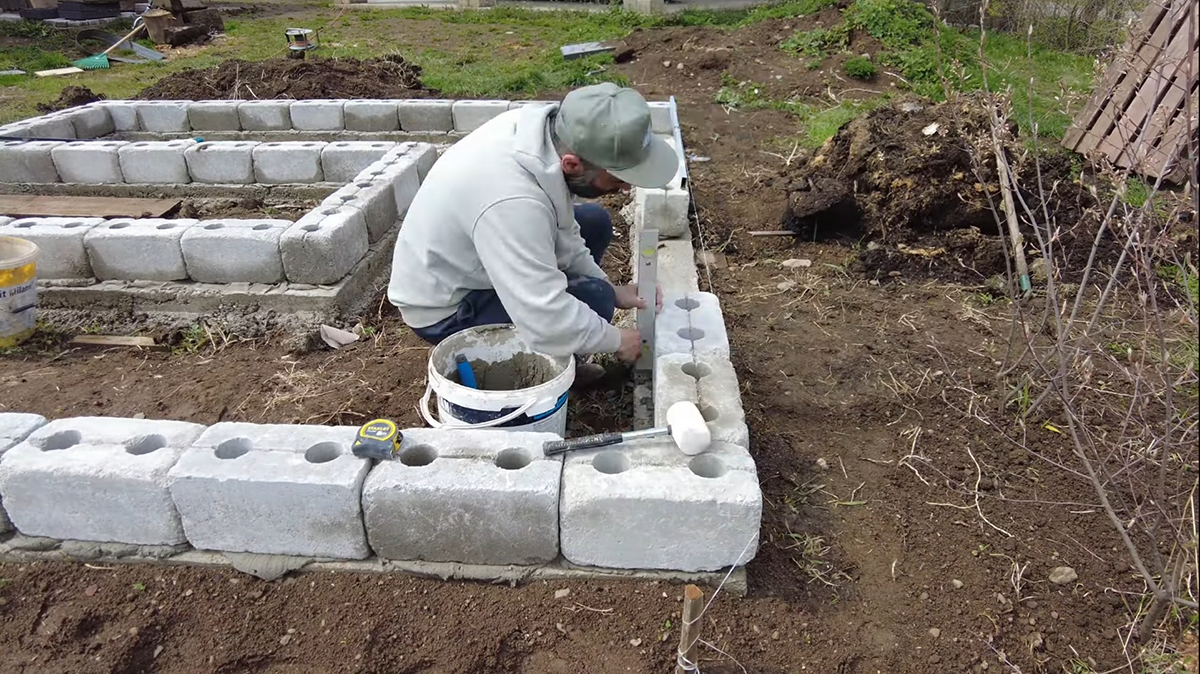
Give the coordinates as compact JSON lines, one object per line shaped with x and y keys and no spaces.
{"x":581,"y":186}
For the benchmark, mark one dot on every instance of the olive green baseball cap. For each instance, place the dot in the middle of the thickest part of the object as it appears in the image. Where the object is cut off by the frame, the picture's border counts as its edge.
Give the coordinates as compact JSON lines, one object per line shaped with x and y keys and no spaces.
{"x":609,"y":126}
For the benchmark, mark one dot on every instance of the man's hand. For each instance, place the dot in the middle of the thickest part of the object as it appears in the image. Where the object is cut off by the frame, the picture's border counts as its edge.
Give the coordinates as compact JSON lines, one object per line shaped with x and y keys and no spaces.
{"x":631,"y":346}
{"x":627,"y":298}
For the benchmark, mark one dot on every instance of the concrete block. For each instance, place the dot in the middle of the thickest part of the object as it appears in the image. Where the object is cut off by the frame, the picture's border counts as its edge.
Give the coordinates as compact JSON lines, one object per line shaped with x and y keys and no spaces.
{"x":232,"y":251}
{"x":664,"y":210}
{"x":288,"y":162}
{"x":426,"y":156}
{"x":470,"y":115}
{"x":94,"y":162}
{"x":709,"y":382}
{"x":164,"y":116}
{"x":97,"y":479}
{"x":273,"y":489}
{"x":677,"y":271}
{"x":61,"y":253}
{"x":265,"y":115}
{"x":221,"y":163}
{"x":55,"y":125}
{"x":660,"y":117}
{"x":4,"y":220}
{"x":691,"y":324}
{"x":426,"y":115}
{"x":28,"y":162}
{"x":672,"y":326}
{"x":323,"y":246}
{"x":132,"y":249}
{"x":318,"y":115}
{"x":91,"y":121}
{"x":214,"y":116}
{"x":156,"y":162}
{"x":123,"y":113}
{"x":402,"y":167}
{"x":371,"y":115}
{"x":375,"y":199}
{"x":698,"y":513}
{"x":14,"y":428}
{"x":476,"y":497}
{"x":675,"y":381}
{"x":342,"y":161}
{"x":513,"y":105}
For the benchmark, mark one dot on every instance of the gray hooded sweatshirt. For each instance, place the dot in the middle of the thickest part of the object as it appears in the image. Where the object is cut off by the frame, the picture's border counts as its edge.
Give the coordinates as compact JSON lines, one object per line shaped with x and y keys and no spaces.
{"x":495,"y":213}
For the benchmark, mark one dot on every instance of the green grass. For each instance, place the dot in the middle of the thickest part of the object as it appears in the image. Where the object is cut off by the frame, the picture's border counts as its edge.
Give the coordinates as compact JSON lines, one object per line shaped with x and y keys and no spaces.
{"x":818,"y":123}
{"x":860,"y":68}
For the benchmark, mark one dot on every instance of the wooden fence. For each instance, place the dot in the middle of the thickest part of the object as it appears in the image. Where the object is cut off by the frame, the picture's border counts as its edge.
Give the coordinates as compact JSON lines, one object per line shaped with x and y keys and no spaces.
{"x":1142,"y":115}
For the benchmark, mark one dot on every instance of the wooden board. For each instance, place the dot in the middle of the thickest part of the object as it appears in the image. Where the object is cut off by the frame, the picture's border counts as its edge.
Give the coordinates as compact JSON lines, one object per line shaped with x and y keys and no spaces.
{"x":20,"y":205}
{"x":116,"y":340}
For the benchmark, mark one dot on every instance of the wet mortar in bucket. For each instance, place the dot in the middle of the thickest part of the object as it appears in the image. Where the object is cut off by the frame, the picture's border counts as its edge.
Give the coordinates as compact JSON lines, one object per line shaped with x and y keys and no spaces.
{"x":523,"y":370}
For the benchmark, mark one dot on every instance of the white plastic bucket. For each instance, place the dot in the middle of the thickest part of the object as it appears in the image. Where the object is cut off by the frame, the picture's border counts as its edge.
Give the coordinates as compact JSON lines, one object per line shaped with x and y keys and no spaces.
{"x":538,"y":408}
{"x":18,"y":290}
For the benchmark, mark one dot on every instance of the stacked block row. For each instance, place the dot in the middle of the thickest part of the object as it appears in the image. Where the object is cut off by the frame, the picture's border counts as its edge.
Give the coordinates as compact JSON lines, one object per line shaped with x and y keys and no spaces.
{"x":480,"y":497}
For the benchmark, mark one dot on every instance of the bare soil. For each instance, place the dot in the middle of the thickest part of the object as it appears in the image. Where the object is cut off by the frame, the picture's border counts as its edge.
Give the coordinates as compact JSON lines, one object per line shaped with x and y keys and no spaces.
{"x":897,"y":536}
{"x":250,"y":207}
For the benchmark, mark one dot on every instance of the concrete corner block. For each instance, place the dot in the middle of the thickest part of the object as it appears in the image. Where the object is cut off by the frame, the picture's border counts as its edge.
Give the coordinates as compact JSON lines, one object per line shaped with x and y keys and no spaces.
{"x":123,"y":113}
{"x":272,"y":115}
{"x":221,"y":163}
{"x":91,"y":121}
{"x":233,"y":251}
{"x":132,"y":249}
{"x":342,"y":161}
{"x":61,"y":252}
{"x":273,"y":489}
{"x":404,"y":177}
{"x":665,"y":210}
{"x":214,"y":116}
{"x":156,"y":162}
{"x":323,"y":246}
{"x":470,"y":115}
{"x":677,"y":273}
{"x":375,"y":199}
{"x":28,"y":162}
{"x":55,"y":125}
{"x":426,"y":155}
{"x":426,"y":115}
{"x":94,"y":162}
{"x":372,"y":115}
{"x":475,"y":497}
{"x":317,"y":115}
{"x":164,"y":116}
{"x":14,"y":427}
{"x":97,"y":479}
{"x":288,"y":162}
{"x":660,"y":117}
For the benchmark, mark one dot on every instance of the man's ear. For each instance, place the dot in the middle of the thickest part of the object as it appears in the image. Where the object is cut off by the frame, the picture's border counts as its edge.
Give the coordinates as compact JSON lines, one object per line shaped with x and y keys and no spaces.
{"x":571,"y":164}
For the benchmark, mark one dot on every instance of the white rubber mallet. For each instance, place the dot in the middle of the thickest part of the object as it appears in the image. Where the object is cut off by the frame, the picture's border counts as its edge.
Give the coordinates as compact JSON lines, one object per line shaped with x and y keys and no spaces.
{"x":685,"y":425}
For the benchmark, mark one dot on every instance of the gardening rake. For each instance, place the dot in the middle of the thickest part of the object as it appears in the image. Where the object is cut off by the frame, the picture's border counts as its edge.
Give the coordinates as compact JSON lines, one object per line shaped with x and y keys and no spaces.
{"x":100,"y":61}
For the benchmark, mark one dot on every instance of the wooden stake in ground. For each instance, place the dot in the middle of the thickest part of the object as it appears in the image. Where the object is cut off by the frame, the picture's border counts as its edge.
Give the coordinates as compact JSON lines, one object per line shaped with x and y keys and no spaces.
{"x":1010,"y":208}
{"x":689,"y":632}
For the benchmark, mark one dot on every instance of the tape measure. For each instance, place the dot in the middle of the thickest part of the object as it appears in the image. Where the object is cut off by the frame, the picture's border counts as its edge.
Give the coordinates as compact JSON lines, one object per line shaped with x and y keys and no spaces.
{"x":378,"y":439}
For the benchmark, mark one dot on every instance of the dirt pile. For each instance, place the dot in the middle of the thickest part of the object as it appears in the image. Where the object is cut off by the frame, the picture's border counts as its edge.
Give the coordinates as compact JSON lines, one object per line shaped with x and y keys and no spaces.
{"x":383,"y":77}
{"x":70,"y":97}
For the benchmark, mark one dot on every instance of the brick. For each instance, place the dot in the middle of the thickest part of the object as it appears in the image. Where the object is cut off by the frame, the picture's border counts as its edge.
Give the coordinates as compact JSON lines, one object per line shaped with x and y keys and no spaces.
{"x":156,"y":162}
{"x":95,"y":162}
{"x":324,"y":245}
{"x":371,"y":115}
{"x":221,"y":163}
{"x":342,"y":161}
{"x":375,"y":199}
{"x":163,"y":116}
{"x":97,"y":479}
{"x":28,"y":162}
{"x":288,"y":162}
{"x":61,"y":253}
{"x":470,"y":115}
{"x":91,"y":121}
{"x":273,"y":489}
{"x":317,"y":115}
{"x":214,"y":116}
{"x":231,"y":251}
{"x":664,"y":210}
{"x":14,"y":428}
{"x":138,"y":249}
{"x":265,"y":115}
{"x":476,"y":497}
{"x":426,"y":115}
{"x":123,"y":113}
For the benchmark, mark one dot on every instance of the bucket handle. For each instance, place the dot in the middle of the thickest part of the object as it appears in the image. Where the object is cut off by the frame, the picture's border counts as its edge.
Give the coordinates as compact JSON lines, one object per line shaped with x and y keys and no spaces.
{"x":423,"y":408}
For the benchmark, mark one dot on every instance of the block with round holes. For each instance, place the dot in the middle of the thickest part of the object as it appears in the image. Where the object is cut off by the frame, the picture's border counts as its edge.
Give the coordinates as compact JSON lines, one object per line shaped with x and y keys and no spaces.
{"x":93,"y":162}
{"x":318,"y":115}
{"x":14,"y":427}
{"x":272,"y":115}
{"x":97,"y":479}
{"x":61,"y":253}
{"x":479,"y":497}
{"x":288,"y":162}
{"x":672,"y":326}
{"x":131,"y":249}
{"x":155,"y":162}
{"x":231,"y":251}
{"x":375,"y":199}
{"x":674,"y":381}
{"x":273,"y":489}
{"x":28,"y":162}
{"x":342,"y":161}
{"x":324,"y":245}
{"x":714,"y":389}
{"x":222,"y":163}
{"x":704,"y":333}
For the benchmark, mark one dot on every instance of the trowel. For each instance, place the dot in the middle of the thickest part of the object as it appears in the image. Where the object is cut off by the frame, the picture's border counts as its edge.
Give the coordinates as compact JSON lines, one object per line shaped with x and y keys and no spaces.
{"x":685,"y":425}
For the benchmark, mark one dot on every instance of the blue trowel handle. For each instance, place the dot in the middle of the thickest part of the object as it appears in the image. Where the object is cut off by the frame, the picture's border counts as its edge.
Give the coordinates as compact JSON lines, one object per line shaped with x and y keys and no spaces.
{"x":466,"y":376}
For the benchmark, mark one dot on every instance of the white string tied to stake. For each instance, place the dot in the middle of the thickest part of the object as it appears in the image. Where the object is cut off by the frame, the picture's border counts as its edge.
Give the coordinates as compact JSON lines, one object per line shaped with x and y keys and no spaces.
{"x":681,"y":660}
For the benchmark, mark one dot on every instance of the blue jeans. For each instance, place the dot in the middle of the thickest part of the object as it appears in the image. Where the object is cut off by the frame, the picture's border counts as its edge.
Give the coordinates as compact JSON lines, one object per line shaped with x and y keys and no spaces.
{"x":483,"y":307}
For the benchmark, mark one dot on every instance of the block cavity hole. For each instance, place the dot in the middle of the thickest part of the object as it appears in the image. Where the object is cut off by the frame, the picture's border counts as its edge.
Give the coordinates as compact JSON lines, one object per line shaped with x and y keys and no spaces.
{"x":710,"y":413}
{"x":687,"y":304}
{"x":696,"y":370}
{"x":691,"y":334}
{"x":60,"y":440}
{"x":323,"y":452}
{"x":233,"y":448}
{"x":611,"y":463}
{"x":145,"y":444}
{"x":420,"y":455}
{"x":708,"y":466}
{"x":513,"y":459}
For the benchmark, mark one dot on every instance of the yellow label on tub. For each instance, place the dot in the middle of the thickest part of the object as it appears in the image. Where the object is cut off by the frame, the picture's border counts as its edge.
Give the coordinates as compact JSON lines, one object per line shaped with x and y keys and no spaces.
{"x":18,"y":297}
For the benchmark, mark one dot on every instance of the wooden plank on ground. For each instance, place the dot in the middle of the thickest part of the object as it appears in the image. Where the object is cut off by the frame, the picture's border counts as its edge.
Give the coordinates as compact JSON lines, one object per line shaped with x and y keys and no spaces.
{"x":24,"y":205}
{"x":115,"y":340}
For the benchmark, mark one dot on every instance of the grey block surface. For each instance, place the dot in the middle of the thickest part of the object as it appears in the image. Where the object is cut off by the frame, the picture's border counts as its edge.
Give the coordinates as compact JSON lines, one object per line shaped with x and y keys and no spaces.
{"x":28,"y":162}
{"x":288,"y":162}
{"x":91,"y":121}
{"x":371,"y":115}
{"x":94,"y":162}
{"x":163,"y":116}
{"x":470,"y":115}
{"x":677,"y":273}
{"x":317,"y":115}
{"x":273,"y":489}
{"x":156,"y":162}
{"x":343,"y":160}
{"x":665,"y":210}
{"x":691,"y":323}
{"x":123,"y":113}
{"x":14,"y":427}
{"x":214,"y":116}
{"x":660,"y":117}
{"x":265,"y":115}
{"x":426,"y":115}
{"x":221,"y":163}
{"x":487,"y":497}
{"x":324,"y":245}
{"x":377,"y":202}
{"x":61,"y":252}
{"x":54,"y":125}
{"x":97,"y":479}
{"x":232,"y":251}
{"x":138,"y":249}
